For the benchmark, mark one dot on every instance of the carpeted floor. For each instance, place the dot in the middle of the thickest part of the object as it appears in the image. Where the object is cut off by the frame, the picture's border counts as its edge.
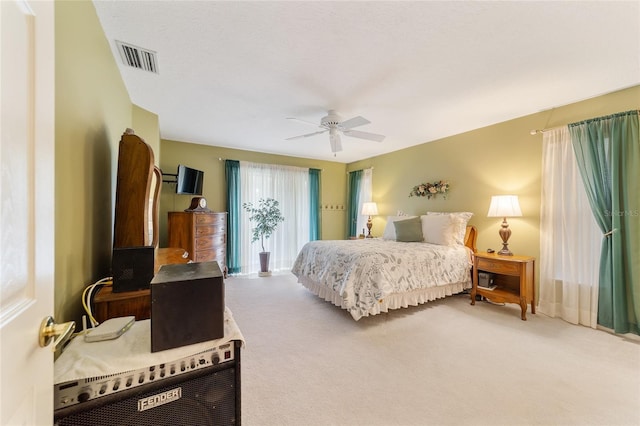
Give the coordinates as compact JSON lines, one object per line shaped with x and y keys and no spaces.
{"x":307,"y":362}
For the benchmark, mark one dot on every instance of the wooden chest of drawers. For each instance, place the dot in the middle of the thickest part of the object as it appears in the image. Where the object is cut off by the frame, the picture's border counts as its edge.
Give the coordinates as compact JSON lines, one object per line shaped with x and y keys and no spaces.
{"x":203,"y":235}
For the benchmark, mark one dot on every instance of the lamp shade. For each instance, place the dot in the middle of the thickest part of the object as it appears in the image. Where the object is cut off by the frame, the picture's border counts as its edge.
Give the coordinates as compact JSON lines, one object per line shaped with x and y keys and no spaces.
{"x":504,"y":206}
{"x":369,"y":209}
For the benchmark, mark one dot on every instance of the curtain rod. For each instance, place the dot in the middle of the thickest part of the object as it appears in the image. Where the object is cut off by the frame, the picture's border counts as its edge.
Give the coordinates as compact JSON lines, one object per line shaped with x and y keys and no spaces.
{"x":365,"y":168}
{"x":225,"y":159}
{"x":534,"y":132}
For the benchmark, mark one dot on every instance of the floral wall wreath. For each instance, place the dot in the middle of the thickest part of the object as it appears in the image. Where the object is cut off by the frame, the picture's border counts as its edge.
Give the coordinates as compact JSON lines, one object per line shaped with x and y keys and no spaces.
{"x":429,"y":189}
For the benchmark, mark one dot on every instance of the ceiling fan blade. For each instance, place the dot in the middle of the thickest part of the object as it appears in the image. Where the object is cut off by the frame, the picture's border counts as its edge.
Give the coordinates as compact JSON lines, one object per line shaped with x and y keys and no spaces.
{"x":364,"y":135}
{"x":354,"y":122}
{"x":303,"y":121}
{"x":306,"y":136}
{"x":336,"y":143}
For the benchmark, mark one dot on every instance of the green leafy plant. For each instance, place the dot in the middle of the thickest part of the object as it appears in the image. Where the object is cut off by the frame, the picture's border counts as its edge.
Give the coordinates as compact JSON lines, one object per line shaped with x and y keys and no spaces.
{"x":266,"y":216}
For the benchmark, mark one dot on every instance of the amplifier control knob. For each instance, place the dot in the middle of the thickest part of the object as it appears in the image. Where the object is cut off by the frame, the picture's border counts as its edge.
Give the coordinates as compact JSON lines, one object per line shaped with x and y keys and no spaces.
{"x":103,"y":389}
{"x":84,"y":396}
{"x":215,"y":359}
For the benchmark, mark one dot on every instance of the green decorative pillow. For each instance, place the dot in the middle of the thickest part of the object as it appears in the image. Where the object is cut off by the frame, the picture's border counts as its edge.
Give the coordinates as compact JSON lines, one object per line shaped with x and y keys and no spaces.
{"x":409,"y":230}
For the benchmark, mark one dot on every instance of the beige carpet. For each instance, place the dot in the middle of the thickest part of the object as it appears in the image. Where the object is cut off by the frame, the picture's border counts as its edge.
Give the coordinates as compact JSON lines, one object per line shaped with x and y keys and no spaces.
{"x":306,"y":362}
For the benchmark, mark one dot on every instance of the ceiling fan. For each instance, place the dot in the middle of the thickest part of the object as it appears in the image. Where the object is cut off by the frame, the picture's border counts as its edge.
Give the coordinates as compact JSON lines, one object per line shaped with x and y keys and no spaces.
{"x":333,"y":124}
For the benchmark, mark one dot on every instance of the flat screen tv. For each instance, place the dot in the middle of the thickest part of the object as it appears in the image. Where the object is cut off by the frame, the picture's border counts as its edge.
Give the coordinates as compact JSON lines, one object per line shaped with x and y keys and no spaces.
{"x":189,"y":181}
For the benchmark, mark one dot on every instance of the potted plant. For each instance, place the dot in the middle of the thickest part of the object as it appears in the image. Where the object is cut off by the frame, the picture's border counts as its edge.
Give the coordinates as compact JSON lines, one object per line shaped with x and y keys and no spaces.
{"x":266,"y":216}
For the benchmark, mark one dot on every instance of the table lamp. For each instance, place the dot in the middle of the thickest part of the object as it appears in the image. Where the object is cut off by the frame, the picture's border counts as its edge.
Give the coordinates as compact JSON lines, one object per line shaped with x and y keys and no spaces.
{"x":369,"y":209}
{"x":504,"y":206}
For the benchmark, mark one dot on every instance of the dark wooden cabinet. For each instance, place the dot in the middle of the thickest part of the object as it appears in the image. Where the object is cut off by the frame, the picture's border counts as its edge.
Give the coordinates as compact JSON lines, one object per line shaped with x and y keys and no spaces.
{"x":202,"y":234}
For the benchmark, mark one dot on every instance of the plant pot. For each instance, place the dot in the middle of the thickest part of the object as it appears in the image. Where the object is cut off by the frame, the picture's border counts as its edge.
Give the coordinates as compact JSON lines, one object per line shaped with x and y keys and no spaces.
{"x":264,"y":264}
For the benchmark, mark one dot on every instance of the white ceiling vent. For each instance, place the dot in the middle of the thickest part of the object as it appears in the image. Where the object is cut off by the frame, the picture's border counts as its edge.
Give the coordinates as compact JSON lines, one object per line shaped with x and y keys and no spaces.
{"x":138,"y":57}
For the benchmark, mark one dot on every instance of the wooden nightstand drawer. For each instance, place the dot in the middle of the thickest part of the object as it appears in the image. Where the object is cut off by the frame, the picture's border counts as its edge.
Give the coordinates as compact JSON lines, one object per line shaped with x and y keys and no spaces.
{"x":498,"y":267}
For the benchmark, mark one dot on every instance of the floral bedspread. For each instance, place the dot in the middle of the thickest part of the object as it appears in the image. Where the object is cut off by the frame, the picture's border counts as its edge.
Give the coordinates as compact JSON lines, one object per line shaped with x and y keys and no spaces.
{"x":363,"y":272}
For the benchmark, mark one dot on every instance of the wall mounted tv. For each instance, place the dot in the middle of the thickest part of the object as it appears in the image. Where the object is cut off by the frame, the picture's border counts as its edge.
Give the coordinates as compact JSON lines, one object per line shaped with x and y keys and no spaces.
{"x":189,"y":181}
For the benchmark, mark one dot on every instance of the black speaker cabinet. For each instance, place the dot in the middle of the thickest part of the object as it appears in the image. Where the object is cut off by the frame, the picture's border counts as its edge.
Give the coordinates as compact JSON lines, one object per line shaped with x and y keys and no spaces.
{"x":132,"y":268}
{"x":187,"y":305}
{"x":205,"y":397}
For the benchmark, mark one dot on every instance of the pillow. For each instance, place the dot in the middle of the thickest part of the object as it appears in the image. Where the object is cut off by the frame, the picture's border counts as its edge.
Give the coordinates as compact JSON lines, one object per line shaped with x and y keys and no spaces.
{"x":438,"y":229}
{"x":460,"y":220}
{"x":408,"y":230}
{"x":390,"y":230}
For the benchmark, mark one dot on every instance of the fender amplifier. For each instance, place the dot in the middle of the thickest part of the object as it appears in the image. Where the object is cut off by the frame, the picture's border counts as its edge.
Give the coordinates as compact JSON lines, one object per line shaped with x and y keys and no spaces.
{"x":121,"y":382}
{"x":202,"y":397}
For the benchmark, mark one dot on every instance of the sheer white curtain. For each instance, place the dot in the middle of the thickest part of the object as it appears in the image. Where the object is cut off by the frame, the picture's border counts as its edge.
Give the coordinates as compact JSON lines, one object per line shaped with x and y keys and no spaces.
{"x":290,"y":187}
{"x":365,"y":197}
{"x":569,"y":236}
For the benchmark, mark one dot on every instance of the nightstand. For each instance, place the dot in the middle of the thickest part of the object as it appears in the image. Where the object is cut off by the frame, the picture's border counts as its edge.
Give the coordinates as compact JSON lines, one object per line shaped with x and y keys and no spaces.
{"x":514,"y":280}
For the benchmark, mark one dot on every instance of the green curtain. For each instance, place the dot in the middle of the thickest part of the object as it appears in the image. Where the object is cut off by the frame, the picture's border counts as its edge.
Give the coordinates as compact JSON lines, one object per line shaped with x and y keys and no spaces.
{"x":232,"y":175}
{"x":314,"y":204}
{"x":354,"y":194}
{"x":608,"y":155}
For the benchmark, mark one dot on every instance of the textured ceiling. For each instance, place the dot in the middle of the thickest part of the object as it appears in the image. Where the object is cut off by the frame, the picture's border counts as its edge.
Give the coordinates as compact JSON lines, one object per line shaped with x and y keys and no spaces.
{"x":231,"y":72}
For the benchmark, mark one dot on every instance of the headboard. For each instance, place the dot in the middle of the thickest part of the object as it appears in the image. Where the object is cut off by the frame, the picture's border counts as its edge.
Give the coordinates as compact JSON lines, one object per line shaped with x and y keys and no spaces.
{"x":470,"y":237}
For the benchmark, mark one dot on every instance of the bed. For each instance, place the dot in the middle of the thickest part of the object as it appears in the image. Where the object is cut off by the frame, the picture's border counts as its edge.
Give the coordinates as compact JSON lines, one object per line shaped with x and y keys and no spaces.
{"x":370,"y":276}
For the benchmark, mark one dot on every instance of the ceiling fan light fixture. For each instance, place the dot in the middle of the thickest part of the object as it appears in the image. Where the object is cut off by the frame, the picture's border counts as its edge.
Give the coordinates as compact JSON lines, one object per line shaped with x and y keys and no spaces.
{"x":334,"y":124}
{"x":331,"y":119}
{"x":334,"y":140}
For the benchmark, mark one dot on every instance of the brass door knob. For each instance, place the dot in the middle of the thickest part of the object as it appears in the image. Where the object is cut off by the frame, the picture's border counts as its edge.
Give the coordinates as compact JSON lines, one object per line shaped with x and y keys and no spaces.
{"x":49,"y":330}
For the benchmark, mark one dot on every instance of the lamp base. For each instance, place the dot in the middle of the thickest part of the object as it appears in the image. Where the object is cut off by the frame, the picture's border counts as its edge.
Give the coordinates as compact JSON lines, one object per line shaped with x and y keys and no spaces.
{"x":505,"y":233}
{"x":369,"y":225}
{"x":505,"y":251}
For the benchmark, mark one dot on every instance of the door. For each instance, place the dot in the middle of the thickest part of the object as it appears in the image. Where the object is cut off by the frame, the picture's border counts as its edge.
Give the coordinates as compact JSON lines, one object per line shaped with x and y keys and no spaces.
{"x":26,"y":209}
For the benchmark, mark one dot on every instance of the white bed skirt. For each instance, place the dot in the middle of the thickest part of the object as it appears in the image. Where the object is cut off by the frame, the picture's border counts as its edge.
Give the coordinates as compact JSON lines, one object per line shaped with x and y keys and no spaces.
{"x":393,"y":301}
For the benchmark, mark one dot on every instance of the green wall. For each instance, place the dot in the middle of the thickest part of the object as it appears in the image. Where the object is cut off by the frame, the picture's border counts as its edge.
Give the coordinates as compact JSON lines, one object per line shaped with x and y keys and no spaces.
{"x":93,"y":109}
{"x":147,"y":126}
{"x":209,"y":159}
{"x":499,"y":159}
